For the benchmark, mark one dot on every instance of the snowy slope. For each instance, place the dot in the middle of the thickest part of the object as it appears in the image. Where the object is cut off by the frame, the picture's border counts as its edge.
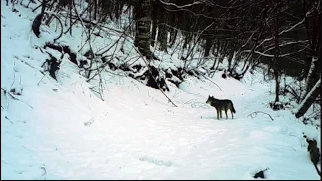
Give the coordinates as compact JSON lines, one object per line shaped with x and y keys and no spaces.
{"x":62,"y":130}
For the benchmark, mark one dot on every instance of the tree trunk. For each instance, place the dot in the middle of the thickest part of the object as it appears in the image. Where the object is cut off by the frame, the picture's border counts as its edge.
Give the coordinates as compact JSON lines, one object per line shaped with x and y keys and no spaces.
{"x":95,"y":9}
{"x":309,"y":99}
{"x":214,"y":64}
{"x":143,"y":23}
{"x":312,"y":74}
{"x":173,"y":37}
{"x":185,"y":40}
{"x":162,"y":32}
{"x":154,"y":31}
{"x":230,"y":58}
{"x":70,"y":6}
{"x":154,"y":23}
{"x":276,"y":55}
{"x":208,"y":45}
{"x":277,"y":85}
{"x":246,"y":67}
{"x":43,"y":8}
{"x":37,"y":21}
{"x":221,"y":58}
{"x":215,"y":51}
{"x":313,"y":29}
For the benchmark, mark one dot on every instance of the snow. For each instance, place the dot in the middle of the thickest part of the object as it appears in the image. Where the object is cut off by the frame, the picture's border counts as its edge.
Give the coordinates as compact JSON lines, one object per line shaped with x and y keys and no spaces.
{"x":63,"y":130}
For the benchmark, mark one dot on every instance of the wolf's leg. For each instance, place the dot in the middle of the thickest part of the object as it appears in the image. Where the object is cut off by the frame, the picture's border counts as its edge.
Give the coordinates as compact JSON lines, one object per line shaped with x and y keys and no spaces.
{"x":217,"y":114}
{"x":232,"y":116}
{"x":226,"y":113}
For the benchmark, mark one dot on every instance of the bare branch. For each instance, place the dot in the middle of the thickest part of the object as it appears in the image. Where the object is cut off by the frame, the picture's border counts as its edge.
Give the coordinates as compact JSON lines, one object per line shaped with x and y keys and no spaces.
{"x":183,"y":6}
{"x":211,"y":81}
{"x":283,"y":55}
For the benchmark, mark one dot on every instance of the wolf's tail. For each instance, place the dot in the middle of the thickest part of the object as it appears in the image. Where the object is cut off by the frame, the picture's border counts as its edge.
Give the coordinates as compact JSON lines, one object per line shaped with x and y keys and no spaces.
{"x":232,"y":107}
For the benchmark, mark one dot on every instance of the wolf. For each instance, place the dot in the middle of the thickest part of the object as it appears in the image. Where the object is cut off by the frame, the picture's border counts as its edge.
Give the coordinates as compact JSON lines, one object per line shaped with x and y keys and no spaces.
{"x":221,"y":104}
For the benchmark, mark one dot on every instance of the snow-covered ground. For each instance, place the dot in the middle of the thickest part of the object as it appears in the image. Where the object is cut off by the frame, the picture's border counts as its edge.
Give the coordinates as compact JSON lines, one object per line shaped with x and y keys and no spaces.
{"x":62,"y":130}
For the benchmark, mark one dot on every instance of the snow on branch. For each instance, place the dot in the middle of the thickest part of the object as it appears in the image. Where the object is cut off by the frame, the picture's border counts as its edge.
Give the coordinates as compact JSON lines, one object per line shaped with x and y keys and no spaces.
{"x":183,"y":6}
{"x":283,"y":55}
{"x":283,"y":31}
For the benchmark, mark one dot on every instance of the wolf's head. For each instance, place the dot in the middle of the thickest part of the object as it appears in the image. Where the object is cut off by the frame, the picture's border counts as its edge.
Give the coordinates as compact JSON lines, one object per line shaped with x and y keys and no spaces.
{"x":210,"y":99}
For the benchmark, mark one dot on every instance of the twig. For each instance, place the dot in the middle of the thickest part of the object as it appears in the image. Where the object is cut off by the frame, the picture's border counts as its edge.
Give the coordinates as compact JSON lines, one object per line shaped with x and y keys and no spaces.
{"x":37,"y":7}
{"x":91,"y":48}
{"x":106,"y":63}
{"x":82,"y":25}
{"x":45,"y":171}
{"x":75,"y":21}
{"x":121,"y":36}
{"x":14,"y":74}
{"x":88,"y":123}
{"x":41,"y":79}
{"x":254,"y":113}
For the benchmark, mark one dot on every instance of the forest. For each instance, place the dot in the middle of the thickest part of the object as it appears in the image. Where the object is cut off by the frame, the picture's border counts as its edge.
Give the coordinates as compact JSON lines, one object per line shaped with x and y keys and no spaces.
{"x":284,"y":35}
{"x":162,"y":44}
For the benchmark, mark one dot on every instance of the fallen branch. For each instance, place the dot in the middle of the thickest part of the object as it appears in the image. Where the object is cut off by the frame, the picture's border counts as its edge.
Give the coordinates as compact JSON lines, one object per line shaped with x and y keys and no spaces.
{"x":14,"y":97}
{"x":255,"y":113}
{"x":211,"y":81}
{"x":88,"y":123}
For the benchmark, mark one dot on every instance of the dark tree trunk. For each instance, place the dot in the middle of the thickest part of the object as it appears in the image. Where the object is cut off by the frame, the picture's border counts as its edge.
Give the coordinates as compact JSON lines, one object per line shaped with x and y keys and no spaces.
{"x":162,"y":30}
{"x":70,"y":17}
{"x":154,"y":32}
{"x":215,"y":51}
{"x":37,"y":21}
{"x":276,"y":55}
{"x":173,"y":37}
{"x":277,"y":85}
{"x":154,"y":23}
{"x":162,"y":35}
{"x":230,"y":58}
{"x":208,"y":45}
{"x":95,"y":9}
{"x":143,"y":22}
